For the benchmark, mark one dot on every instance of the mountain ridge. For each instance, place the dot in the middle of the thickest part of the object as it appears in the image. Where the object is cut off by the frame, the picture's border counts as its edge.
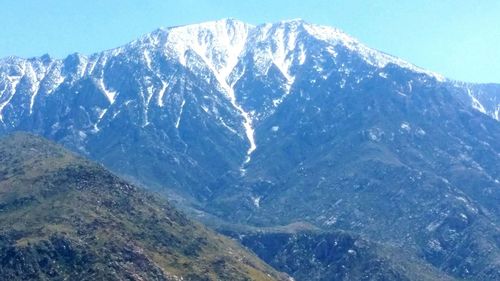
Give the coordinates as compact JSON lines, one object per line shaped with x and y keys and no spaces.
{"x":66,"y":217}
{"x":342,"y":138}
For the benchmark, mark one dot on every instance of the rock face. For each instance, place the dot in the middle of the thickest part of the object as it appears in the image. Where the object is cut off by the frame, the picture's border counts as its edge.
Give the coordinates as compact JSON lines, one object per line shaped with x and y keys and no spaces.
{"x":288,"y":122}
{"x":64,"y":218}
{"x":310,"y":255}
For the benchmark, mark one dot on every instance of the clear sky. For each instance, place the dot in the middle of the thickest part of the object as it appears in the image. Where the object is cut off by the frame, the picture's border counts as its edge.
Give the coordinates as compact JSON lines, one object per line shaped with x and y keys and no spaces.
{"x":458,"y":38}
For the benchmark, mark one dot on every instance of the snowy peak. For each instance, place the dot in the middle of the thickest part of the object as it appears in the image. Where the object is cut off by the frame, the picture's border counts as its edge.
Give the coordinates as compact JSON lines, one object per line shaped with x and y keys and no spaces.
{"x":221,"y":43}
{"x":219,"y":53}
{"x":335,"y":37}
{"x":218,"y":43}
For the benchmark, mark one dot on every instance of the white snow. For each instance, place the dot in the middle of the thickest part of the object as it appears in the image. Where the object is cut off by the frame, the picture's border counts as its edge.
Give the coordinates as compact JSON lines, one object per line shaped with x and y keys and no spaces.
{"x":405,"y":126}
{"x":149,"y":91}
{"x":116,"y":114}
{"x":102,"y":112}
{"x":82,"y":135}
{"x":332,"y":51}
{"x":475,"y":102}
{"x":161,"y":93}
{"x":227,"y":126}
{"x":215,"y":41}
{"x":342,"y":83}
{"x":276,"y":45}
{"x":282,"y":57}
{"x":277,"y":102}
{"x":56,"y":83}
{"x":82,"y":65}
{"x":177,"y":123}
{"x":433,"y":226}
{"x":36,"y":73}
{"x":147,"y":58}
{"x":35,"y":84}
{"x":219,"y":44}
{"x":256,"y":201}
{"x":14,"y":81}
{"x":146,"y":97}
{"x":91,"y":64}
{"x":421,"y":132}
{"x":302,"y":54}
{"x":376,"y":58}
{"x":110,"y":95}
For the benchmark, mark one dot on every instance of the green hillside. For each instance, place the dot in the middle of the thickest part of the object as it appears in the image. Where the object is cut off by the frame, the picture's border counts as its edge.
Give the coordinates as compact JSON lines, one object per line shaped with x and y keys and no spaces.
{"x":65,"y":218}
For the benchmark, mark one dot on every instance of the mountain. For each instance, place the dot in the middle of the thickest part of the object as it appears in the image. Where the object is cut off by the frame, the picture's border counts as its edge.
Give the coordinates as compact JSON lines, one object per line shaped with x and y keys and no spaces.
{"x":65,"y":218}
{"x":311,"y":254}
{"x":281,"y":123}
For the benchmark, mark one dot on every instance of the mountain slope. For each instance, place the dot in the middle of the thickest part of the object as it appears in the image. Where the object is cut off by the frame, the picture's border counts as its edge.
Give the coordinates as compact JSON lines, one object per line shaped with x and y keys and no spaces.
{"x":311,"y":254}
{"x":221,"y":80}
{"x":277,"y":123}
{"x":64,"y":217}
{"x":400,"y":159}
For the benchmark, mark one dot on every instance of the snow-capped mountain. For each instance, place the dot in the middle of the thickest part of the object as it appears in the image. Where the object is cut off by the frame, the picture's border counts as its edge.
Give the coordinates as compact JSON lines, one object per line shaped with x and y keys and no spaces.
{"x":218,"y":52}
{"x":288,"y":121}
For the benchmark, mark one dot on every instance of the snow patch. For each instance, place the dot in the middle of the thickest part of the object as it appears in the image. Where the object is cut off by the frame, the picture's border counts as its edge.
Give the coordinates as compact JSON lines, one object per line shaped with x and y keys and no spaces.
{"x":433,"y":226}
{"x":227,"y":126}
{"x":405,"y":126}
{"x":302,"y":54}
{"x":14,"y":81}
{"x":475,"y":102}
{"x":376,"y":58}
{"x":82,"y":135}
{"x":35,"y":84}
{"x":178,"y":122}
{"x":256,"y":201}
{"x":101,"y":112}
{"x":464,"y":217}
{"x":147,"y":100}
{"x":219,"y":44}
{"x":147,"y":59}
{"x":110,"y":95}
{"x":161,"y":93}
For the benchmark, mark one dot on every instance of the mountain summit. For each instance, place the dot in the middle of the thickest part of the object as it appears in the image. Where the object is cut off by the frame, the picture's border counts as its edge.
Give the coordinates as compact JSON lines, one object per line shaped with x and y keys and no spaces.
{"x":290,"y":122}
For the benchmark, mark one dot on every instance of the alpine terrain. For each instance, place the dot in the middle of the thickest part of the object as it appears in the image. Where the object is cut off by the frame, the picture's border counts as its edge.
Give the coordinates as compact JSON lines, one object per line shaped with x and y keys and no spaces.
{"x":251,"y":128}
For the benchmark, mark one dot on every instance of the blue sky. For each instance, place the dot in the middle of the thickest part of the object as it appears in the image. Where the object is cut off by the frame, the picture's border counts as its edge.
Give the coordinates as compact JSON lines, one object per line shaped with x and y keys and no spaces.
{"x":458,"y":38}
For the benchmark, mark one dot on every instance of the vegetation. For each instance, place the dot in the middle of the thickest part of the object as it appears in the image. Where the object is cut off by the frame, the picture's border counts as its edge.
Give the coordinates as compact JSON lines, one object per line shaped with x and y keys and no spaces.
{"x":65,"y":218}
